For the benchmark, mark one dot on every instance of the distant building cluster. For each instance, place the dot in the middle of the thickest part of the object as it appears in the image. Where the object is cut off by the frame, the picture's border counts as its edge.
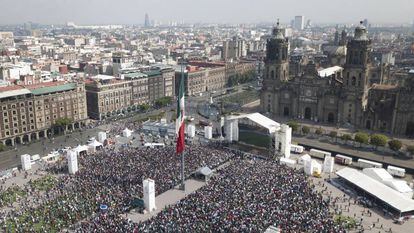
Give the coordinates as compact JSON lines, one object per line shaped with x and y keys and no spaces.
{"x":54,"y":79}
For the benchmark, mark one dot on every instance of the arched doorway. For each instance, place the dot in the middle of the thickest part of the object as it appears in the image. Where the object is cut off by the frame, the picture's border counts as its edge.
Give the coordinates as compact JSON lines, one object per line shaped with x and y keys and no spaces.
{"x":410,"y":129}
{"x":9,"y":142}
{"x":308,"y":113}
{"x":368,"y":124}
{"x":285,"y":111}
{"x":331,"y":117}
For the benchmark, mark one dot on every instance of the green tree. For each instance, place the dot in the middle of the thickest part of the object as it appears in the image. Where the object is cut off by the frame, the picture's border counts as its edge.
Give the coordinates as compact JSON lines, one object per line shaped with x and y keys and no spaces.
{"x":61,"y":123}
{"x":395,"y":145}
{"x":319,"y":131}
{"x":410,"y":149}
{"x":163,"y":101}
{"x":378,"y":140}
{"x":362,"y":138}
{"x":333,"y":134}
{"x":294,"y":125}
{"x":346,"y":137}
{"x":305,"y":129}
{"x":2,"y":147}
{"x":144,"y":107}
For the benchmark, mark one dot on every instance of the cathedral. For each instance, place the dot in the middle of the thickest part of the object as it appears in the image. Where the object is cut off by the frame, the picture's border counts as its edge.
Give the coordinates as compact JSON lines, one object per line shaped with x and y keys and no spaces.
{"x":357,"y":93}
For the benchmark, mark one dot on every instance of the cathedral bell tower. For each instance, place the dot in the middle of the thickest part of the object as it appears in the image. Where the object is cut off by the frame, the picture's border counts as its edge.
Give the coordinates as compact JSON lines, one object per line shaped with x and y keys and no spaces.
{"x":277,"y":59}
{"x":357,"y":71}
{"x":276,"y":68}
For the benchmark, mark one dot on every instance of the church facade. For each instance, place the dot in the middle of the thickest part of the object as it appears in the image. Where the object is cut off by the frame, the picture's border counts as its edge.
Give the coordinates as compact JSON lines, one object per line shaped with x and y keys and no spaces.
{"x":354,"y":94}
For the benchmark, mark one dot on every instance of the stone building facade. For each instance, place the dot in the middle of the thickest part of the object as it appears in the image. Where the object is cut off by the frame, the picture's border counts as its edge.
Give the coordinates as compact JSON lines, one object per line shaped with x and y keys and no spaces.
{"x":30,"y":112}
{"x":357,"y":94}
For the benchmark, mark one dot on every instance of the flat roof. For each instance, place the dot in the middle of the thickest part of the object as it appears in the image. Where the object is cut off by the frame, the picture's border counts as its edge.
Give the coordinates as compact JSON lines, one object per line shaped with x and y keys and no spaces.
{"x":51,"y":89}
{"x":379,"y":190}
{"x":22,"y":91}
{"x":329,"y":71}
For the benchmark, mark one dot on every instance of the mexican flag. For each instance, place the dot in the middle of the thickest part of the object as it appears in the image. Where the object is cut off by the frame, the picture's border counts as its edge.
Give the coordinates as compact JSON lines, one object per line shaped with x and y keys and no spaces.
{"x":179,"y":122}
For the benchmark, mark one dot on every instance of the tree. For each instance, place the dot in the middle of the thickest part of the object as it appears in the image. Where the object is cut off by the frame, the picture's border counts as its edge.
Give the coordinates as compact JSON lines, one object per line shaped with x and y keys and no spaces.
{"x":333,"y":134}
{"x":305,"y":129}
{"x":395,"y":145}
{"x":163,"y":101}
{"x":346,"y":137}
{"x":61,"y":123}
{"x":2,"y":147}
{"x":362,"y":138}
{"x":319,"y":131}
{"x":378,"y":140}
{"x":294,"y":125}
{"x":410,"y":149}
{"x":144,"y":107}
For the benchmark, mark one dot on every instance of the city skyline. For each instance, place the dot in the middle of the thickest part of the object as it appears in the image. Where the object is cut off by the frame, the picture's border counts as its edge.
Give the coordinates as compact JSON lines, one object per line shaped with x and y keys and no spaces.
{"x":213,"y":11}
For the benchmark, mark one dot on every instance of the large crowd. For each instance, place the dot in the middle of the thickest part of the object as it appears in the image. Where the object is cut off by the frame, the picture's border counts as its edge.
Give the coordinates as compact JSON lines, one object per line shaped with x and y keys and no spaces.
{"x":111,"y":177}
{"x":245,"y":196}
{"x":248,"y":196}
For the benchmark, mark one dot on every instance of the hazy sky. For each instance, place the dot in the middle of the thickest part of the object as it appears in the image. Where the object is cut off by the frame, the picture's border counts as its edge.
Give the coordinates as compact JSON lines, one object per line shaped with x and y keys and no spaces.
{"x":222,"y":11}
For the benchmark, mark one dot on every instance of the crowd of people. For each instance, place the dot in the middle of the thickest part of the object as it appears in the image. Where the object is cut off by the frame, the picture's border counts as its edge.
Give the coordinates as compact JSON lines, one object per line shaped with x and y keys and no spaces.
{"x":111,"y":177}
{"x":248,"y":196}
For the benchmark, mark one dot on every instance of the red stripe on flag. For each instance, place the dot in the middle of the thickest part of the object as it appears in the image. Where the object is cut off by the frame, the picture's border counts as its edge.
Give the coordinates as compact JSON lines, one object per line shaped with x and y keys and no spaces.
{"x":181,"y":138}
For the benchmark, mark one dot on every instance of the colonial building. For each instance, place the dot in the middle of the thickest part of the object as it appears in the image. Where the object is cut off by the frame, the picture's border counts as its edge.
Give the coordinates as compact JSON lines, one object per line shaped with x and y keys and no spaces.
{"x":357,"y":93}
{"x":203,"y":77}
{"x":30,"y":112}
{"x":109,"y":96}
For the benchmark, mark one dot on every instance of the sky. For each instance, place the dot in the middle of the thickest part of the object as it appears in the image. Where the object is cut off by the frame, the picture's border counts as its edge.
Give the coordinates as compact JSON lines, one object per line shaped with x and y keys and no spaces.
{"x":207,"y":11}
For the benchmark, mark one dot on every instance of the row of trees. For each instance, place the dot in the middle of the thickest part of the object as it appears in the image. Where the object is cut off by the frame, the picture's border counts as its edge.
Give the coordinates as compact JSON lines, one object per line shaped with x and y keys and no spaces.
{"x":377,"y":140}
{"x":241,"y":78}
{"x":163,"y":101}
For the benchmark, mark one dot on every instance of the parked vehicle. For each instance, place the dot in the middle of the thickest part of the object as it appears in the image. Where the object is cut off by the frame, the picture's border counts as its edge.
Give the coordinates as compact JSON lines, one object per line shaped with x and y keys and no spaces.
{"x":342,"y":159}
{"x":362,"y":163}
{"x":396,"y":171}
{"x":297,"y":149}
{"x":319,"y":153}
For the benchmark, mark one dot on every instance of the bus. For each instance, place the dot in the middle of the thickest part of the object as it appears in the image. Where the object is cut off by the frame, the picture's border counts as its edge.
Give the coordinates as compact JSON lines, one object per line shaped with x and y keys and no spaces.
{"x":342,"y":159}
{"x":362,"y":163}
{"x":319,"y":153}
{"x":396,"y":171}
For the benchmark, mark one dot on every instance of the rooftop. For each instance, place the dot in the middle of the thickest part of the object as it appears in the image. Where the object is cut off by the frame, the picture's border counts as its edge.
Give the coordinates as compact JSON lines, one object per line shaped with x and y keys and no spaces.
{"x":51,"y":89}
{"x":381,"y":191}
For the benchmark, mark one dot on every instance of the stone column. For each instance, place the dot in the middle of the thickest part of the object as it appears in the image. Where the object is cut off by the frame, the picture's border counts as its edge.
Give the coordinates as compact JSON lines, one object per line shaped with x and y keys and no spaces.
{"x":45,"y":132}
{"x":29,"y":138}
{"x":37,"y":136}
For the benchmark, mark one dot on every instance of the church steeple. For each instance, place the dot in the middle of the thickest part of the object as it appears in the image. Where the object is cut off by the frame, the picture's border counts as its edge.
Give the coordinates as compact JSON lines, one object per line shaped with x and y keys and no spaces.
{"x":277,"y":59}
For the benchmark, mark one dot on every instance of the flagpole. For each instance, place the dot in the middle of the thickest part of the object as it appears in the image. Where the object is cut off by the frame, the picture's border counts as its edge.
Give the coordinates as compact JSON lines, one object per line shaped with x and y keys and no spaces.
{"x":182,"y":186}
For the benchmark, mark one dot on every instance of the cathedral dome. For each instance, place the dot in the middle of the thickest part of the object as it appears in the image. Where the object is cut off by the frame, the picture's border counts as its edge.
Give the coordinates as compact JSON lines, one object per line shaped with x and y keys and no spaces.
{"x":278,"y":32}
{"x":361,"y":32}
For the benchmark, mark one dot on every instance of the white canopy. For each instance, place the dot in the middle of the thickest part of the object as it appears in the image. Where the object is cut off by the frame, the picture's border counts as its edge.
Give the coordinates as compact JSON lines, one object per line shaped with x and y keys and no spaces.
{"x":265,"y":122}
{"x":95,"y":144}
{"x":381,"y":191}
{"x":80,"y":148}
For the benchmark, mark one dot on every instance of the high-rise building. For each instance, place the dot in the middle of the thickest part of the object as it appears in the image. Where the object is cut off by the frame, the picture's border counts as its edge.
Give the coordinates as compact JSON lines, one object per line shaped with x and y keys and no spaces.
{"x":147,"y":21}
{"x":299,"y":22}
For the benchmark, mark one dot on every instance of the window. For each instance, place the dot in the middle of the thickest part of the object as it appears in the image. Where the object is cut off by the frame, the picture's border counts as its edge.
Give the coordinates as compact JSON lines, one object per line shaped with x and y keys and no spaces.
{"x":353,"y":81}
{"x":5,"y":114}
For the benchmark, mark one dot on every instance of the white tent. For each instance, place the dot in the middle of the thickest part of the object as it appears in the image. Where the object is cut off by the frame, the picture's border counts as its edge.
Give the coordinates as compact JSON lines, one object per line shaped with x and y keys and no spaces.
{"x":312,"y":167}
{"x":328,"y":164}
{"x":102,"y":137}
{"x":93,"y":146}
{"x":303,"y":159}
{"x":81,"y":149}
{"x":127,"y":132}
{"x":287,"y":161}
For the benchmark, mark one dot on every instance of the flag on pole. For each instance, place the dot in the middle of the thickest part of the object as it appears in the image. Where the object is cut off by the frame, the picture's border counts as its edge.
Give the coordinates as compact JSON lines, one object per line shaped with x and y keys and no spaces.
{"x":179,"y":122}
